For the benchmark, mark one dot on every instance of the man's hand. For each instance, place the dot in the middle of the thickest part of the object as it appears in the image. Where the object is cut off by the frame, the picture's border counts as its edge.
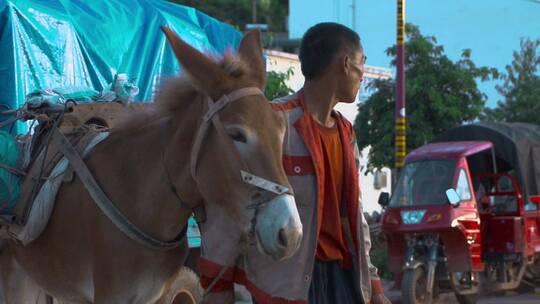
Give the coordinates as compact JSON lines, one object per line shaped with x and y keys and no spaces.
{"x":380,"y":298}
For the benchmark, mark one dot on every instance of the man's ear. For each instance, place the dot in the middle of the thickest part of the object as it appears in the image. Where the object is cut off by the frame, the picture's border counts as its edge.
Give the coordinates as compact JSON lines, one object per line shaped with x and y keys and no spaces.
{"x":346,"y":63}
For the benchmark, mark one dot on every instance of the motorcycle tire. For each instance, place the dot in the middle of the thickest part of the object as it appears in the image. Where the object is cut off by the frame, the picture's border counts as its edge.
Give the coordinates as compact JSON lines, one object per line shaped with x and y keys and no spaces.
{"x":413,"y":286}
{"x":467,"y":299}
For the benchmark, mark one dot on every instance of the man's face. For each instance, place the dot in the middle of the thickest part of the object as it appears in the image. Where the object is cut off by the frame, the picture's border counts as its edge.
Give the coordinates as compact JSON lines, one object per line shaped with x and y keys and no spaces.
{"x":352,"y":76}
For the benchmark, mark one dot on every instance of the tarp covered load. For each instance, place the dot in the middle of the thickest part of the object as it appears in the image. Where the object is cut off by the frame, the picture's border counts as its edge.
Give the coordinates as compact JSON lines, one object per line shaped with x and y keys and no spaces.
{"x":517,"y":144}
{"x":78,"y":43}
{"x":79,"y":46}
{"x":9,"y":182}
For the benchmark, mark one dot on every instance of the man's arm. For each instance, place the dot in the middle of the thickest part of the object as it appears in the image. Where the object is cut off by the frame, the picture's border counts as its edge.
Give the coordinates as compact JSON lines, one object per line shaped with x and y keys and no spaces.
{"x":376,"y":284}
{"x":377,"y":290}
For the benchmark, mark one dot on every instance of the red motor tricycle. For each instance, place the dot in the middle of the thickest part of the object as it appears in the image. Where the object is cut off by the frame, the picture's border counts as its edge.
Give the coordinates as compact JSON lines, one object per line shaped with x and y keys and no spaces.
{"x":464,"y":216}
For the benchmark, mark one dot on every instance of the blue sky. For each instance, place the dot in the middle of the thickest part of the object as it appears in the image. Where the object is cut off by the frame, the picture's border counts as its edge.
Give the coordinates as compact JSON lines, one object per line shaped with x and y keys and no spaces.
{"x":491,"y":29}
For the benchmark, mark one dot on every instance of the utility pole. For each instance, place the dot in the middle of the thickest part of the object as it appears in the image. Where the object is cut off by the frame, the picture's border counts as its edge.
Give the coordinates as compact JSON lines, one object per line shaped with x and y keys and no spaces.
{"x":353,"y":7}
{"x":254,"y":11}
{"x":400,"y":113}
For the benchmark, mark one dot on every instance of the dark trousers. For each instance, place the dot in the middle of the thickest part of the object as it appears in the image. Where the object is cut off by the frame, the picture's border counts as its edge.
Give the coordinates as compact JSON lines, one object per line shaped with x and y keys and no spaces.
{"x":332,"y":284}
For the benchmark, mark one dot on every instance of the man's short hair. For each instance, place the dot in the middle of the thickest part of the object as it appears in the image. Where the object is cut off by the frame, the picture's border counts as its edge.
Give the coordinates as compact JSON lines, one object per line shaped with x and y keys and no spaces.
{"x":322,"y":43}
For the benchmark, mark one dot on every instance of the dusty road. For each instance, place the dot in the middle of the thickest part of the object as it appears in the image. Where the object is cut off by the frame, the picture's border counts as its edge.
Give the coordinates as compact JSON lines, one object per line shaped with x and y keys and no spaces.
{"x":509,"y":298}
{"x":395,"y":297}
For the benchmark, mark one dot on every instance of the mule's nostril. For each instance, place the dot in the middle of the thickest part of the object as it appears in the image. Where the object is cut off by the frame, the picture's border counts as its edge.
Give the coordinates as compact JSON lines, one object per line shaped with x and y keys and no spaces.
{"x":282,"y":238}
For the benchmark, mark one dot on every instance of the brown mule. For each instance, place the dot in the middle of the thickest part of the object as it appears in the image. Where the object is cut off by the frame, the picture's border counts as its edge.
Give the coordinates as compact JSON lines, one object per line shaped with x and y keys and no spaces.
{"x":144,"y":168}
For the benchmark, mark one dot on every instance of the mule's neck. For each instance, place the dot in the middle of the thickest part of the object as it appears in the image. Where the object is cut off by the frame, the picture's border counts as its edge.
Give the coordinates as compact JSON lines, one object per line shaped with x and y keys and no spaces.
{"x":183,"y":126}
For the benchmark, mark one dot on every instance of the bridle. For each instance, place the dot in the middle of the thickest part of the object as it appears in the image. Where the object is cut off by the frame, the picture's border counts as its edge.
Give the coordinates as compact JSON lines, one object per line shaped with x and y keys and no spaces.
{"x":211,"y":118}
{"x":271,"y":189}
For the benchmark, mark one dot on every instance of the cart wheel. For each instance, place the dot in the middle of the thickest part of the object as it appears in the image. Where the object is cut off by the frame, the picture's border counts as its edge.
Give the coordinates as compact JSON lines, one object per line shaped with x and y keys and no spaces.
{"x":467,"y":299}
{"x":185,"y":289}
{"x":414,"y":286}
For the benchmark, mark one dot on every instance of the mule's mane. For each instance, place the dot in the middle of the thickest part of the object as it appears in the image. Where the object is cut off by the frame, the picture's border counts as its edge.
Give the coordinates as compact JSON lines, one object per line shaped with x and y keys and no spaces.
{"x":176,"y":92}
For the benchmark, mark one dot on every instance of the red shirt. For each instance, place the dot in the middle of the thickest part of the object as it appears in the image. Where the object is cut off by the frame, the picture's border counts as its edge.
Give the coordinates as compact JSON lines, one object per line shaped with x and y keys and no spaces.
{"x":331,"y":245}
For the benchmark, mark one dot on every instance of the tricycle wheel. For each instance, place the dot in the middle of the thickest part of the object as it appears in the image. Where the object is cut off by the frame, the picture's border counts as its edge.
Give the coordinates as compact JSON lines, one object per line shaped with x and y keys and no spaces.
{"x":414,"y":286}
{"x":467,"y":299}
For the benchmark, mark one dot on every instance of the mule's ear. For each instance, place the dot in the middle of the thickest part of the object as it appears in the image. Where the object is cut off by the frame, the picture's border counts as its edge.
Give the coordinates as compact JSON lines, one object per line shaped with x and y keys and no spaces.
{"x":250,"y":50}
{"x":206,"y":73}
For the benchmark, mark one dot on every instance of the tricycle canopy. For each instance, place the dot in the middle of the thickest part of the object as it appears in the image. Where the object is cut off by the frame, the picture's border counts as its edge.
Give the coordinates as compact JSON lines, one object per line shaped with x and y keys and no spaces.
{"x":517,"y":147}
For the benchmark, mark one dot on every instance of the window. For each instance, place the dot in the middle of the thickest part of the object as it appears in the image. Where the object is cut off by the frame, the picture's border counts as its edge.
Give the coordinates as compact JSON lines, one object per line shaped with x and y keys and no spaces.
{"x":462,"y":187}
{"x":424,"y":183}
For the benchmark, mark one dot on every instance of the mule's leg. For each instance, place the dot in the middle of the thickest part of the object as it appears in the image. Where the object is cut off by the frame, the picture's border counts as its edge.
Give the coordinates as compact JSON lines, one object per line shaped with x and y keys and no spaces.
{"x":17,"y":286}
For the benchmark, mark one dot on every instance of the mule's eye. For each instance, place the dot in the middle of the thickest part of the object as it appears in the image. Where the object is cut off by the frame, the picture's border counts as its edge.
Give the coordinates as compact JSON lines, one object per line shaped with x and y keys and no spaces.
{"x":238,"y":135}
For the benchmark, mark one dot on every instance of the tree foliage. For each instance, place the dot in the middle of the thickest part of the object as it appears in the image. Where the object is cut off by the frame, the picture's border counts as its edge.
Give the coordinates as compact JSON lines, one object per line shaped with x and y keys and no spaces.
{"x":440,"y":94}
{"x":239,"y":12}
{"x":276,"y":84}
{"x":521,"y":87}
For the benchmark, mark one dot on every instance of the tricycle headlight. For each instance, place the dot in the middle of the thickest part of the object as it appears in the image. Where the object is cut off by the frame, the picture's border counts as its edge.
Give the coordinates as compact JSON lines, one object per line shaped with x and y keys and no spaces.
{"x":412,"y":216}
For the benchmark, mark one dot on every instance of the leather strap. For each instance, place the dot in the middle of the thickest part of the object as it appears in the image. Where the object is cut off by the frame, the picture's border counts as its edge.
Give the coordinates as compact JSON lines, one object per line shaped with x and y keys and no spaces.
{"x":104,"y":203}
{"x":215,"y":107}
{"x":12,"y":170}
{"x":263,"y":184}
{"x":8,"y":121}
{"x":229,"y":148}
{"x":211,"y":117}
{"x":197,"y":148}
{"x":234,"y":157}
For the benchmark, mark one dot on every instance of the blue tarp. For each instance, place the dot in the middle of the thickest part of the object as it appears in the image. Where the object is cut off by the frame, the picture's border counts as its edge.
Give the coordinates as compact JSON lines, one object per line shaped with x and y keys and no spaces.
{"x":80,"y":43}
{"x":75,"y":43}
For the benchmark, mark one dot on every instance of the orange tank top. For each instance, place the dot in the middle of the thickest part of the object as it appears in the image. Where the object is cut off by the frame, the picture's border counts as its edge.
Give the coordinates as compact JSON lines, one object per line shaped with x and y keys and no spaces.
{"x":331,"y":245}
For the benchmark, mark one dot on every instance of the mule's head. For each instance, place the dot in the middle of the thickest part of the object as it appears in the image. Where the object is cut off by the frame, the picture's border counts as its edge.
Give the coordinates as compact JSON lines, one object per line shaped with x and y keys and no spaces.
{"x":256,"y":132}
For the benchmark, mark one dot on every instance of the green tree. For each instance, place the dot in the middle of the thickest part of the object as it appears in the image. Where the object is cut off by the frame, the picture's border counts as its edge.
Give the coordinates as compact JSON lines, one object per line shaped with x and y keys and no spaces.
{"x":521,"y":87}
{"x":440,"y":94}
{"x":276,"y":85}
{"x":239,"y":12}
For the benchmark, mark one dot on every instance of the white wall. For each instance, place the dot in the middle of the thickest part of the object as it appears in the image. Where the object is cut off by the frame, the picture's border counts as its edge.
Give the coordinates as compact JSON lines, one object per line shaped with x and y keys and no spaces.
{"x":370,"y":195}
{"x":280,"y":62}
